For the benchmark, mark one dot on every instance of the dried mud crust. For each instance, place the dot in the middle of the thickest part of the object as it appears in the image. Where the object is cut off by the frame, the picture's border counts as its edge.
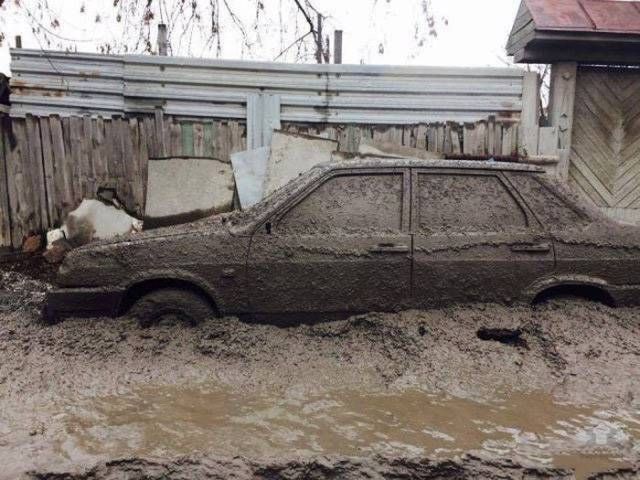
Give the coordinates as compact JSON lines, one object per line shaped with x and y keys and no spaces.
{"x":581,"y":352}
{"x":322,"y":468}
{"x":578,"y":350}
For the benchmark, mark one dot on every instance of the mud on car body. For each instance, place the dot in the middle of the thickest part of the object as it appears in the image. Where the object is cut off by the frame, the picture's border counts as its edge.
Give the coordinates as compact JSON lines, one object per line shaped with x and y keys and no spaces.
{"x":370,"y":234}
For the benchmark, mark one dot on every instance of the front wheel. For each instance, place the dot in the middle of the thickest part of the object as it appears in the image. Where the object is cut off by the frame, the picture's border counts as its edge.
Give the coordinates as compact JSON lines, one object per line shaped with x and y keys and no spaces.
{"x":171,"y":306}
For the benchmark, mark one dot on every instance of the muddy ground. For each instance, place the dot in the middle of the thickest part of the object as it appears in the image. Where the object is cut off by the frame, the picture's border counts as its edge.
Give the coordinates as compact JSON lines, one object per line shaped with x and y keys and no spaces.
{"x":576,"y":352}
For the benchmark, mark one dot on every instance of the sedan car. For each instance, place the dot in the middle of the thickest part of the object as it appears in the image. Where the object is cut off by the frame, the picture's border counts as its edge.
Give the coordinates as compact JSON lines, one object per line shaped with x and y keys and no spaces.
{"x":368,"y":234}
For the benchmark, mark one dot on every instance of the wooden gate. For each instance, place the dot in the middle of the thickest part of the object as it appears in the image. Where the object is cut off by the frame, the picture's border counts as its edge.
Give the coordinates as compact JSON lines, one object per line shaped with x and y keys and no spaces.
{"x":605,"y":149}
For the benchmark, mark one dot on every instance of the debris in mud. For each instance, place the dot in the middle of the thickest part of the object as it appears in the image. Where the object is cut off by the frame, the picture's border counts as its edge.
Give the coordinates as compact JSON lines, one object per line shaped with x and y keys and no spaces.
{"x":506,"y":336}
{"x":56,"y":252}
{"x":97,"y":220}
{"x":378,"y":467}
{"x":32,"y":244}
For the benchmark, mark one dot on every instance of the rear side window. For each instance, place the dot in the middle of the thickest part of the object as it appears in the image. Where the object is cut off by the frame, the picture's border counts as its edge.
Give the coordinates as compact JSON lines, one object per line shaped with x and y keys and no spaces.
{"x":548,"y":205}
{"x":466,"y":203}
{"x":349,"y":203}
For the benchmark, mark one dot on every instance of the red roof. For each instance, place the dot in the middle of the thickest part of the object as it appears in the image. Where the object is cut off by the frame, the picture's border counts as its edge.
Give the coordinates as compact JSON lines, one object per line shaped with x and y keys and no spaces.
{"x":606,"y":16}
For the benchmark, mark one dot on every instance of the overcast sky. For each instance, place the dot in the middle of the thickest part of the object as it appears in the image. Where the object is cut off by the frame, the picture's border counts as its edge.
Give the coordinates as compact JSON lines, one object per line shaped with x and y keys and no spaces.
{"x":475,"y":34}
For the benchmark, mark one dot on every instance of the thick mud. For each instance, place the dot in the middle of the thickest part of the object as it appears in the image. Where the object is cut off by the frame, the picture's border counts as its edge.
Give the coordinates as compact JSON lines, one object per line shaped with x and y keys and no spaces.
{"x":480,"y":391}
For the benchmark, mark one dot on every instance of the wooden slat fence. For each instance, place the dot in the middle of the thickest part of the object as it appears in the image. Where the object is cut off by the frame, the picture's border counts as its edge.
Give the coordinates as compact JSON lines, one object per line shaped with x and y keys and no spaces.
{"x":49,"y":164}
{"x":482,"y":138}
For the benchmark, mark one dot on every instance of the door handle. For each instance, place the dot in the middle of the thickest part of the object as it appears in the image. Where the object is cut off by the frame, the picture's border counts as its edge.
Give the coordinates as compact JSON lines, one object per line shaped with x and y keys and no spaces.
{"x":389,"y":248}
{"x":532,"y":248}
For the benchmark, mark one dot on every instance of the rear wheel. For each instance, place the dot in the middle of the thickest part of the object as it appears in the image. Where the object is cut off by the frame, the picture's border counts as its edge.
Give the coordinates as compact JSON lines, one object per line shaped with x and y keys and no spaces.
{"x":170,"y":306}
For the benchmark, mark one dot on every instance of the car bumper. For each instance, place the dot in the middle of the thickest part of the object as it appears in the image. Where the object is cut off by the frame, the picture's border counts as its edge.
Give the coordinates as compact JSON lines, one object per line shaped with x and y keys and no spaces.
{"x":81,"y":302}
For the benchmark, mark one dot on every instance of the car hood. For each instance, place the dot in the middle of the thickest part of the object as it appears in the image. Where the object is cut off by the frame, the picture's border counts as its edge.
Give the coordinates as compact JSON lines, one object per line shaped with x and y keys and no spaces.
{"x":109,"y":262}
{"x":214,"y":224}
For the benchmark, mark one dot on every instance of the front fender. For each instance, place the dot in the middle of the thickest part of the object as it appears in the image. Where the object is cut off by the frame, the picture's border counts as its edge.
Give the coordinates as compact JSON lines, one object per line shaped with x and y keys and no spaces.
{"x":180,"y":275}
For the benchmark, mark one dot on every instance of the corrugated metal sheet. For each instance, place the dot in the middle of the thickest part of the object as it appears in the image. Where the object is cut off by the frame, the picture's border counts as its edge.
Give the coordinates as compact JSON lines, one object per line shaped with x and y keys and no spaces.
{"x":606,"y":16}
{"x":47,"y":83}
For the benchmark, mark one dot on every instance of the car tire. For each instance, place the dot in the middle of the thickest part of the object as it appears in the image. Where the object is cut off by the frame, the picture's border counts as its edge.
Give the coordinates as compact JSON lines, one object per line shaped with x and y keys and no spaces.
{"x":171,"y":304}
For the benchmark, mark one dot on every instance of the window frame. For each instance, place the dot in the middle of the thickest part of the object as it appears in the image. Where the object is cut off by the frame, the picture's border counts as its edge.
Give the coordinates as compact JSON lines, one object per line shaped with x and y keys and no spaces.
{"x":276,"y":216}
{"x":531,"y":221}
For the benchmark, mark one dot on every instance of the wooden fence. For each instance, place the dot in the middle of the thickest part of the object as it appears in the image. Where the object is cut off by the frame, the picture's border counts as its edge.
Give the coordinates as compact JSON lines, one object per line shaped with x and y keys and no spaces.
{"x":481,"y":138}
{"x":49,"y":164}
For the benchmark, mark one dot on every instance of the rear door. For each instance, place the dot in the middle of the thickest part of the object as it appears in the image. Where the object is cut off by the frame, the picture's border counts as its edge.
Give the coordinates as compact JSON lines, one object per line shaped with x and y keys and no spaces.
{"x":342,"y":246}
{"x":475,"y":240}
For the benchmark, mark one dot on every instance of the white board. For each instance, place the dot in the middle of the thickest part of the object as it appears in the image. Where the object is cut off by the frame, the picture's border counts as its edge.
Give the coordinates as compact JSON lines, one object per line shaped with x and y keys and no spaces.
{"x":188,"y":188}
{"x":249,"y":169}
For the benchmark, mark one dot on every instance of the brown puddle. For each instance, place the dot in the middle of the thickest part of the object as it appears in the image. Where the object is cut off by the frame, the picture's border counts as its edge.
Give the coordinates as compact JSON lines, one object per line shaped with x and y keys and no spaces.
{"x":173,"y":421}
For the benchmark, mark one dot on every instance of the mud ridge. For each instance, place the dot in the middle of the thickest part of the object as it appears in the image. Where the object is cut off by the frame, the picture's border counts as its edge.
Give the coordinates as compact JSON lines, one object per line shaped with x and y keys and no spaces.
{"x":321,"y":468}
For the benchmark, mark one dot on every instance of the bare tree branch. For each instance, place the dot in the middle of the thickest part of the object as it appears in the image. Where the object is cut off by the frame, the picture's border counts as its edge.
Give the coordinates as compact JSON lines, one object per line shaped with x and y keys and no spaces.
{"x":128,"y":26}
{"x":295,"y":42}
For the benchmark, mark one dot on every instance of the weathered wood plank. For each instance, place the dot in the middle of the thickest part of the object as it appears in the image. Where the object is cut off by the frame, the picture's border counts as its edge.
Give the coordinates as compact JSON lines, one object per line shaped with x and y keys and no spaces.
{"x":198,"y":139}
{"x":49,"y":173}
{"x":421,"y":137}
{"x":116,"y":156}
{"x":143,"y":160}
{"x":86,"y":169}
{"x":175,"y":148}
{"x":186,"y":129}
{"x":100,"y":162}
{"x":132,"y":165}
{"x":561,"y":110}
{"x":160,"y":149}
{"x":20,"y":195}
{"x":62,"y":178}
{"x":75,"y":144}
{"x":5,"y":208}
{"x":209,"y":128}
{"x":128,"y":132}
{"x":456,"y":146}
{"x":548,"y":141}
{"x":34,"y":172}
{"x":530,"y":119}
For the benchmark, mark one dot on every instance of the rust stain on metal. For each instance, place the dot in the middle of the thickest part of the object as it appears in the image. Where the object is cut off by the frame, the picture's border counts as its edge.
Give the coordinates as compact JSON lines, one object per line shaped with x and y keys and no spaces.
{"x":609,"y":16}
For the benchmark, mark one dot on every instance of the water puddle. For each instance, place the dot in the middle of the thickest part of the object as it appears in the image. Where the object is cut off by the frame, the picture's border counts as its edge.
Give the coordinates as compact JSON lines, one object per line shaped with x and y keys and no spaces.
{"x":172,"y":421}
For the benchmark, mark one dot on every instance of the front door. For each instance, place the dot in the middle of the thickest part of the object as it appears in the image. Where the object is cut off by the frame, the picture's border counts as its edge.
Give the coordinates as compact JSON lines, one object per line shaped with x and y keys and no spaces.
{"x":474,"y":239}
{"x":342,"y":246}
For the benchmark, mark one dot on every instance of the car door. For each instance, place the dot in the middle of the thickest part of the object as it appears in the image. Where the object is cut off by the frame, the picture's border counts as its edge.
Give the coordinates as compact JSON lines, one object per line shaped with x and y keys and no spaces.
{"x":343,"y":245}
{"x":474,"y":239}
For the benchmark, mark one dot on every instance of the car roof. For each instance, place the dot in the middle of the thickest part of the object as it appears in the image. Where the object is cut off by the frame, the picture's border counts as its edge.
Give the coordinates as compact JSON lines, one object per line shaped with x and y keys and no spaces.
{"x":376,"y":161}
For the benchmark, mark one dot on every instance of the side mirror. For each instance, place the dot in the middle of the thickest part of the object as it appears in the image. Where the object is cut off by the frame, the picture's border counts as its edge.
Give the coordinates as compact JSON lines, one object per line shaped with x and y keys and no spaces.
{"x":267,"y":227}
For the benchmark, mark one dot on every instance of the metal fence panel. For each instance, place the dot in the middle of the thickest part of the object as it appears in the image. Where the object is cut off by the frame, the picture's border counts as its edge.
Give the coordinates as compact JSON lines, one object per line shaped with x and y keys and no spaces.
{"x":46,"y":83}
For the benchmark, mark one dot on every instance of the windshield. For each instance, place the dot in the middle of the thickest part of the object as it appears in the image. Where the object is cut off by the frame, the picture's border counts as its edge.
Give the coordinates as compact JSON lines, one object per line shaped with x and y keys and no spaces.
{"x":256,"y":213}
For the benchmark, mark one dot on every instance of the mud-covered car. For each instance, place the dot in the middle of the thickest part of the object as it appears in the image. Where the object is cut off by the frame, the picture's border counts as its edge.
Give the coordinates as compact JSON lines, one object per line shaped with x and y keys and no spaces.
{"x":364,"y":235}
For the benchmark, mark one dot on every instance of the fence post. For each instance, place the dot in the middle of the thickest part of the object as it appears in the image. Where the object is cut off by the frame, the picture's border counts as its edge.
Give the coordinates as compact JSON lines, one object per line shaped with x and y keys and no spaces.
{"x":163,"y":41}
{"x":561,"y":105}
{"x":529,"y":123}
{"x":337,"y":46}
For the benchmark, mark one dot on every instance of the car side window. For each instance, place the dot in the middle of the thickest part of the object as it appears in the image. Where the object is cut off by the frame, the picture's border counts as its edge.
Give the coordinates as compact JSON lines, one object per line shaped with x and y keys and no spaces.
{"x":466,"y":203}
{"x":350,"y":204}
{"x":548,"y":205}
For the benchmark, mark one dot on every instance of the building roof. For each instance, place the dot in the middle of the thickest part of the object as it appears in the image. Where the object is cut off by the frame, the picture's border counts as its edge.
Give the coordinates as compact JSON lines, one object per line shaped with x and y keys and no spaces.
{"x":612,"y":16}
{"x":598,"y":31}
